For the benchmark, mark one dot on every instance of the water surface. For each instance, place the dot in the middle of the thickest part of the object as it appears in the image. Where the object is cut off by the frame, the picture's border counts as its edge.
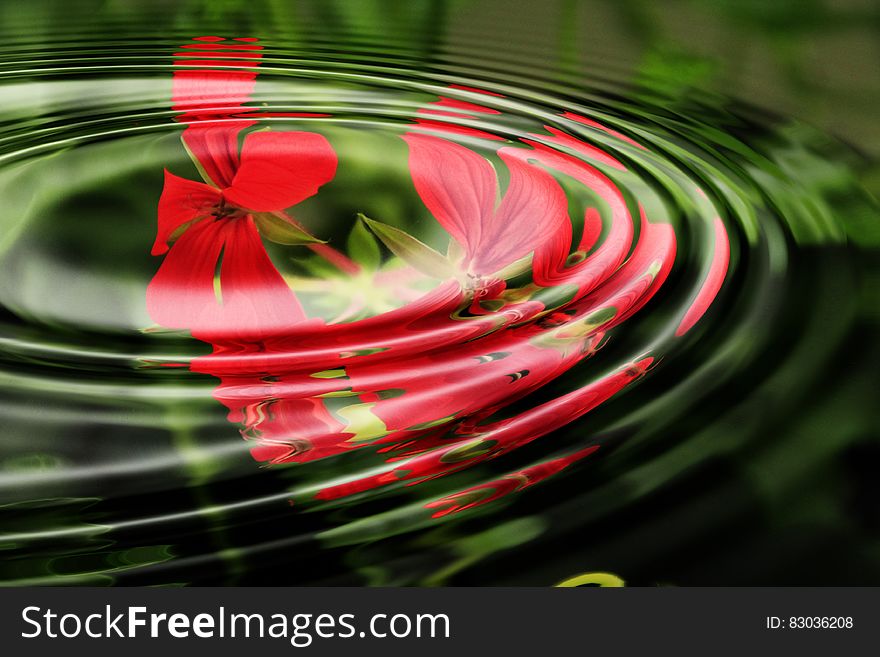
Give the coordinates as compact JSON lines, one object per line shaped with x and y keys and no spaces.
{"x":635,"y":336}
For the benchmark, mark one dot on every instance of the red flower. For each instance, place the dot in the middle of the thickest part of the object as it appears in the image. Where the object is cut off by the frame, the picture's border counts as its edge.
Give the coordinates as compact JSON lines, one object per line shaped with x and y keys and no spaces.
{"x":284,"y":426}
{"x":421,"y":383}
{"x":218,"y":281}
{"x":471,"y":381}
{"x":250,"y":299}
{"x":460,"y":188}
{"x":492,"y":440}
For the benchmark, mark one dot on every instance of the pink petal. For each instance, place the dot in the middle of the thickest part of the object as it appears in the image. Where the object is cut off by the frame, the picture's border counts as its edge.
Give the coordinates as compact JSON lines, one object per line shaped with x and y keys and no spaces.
{"x":592,"y":230}
{"x":549,"y":268}
{"x":182,"y":200}
{"x":632,"y":286}
{"x":712,"y":284}
{"x":549,"y":416}
{"x":211,"y":99}
{"x":534,"y":210}
{"x":464,"y":107}
{"x":442,"y":128}
{"x":456,"y":184}
{"x":280,"y":169}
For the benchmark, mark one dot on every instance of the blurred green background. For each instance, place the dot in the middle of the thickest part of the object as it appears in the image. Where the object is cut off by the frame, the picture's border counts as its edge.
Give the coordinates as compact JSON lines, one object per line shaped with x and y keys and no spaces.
{"x":814,"y":59}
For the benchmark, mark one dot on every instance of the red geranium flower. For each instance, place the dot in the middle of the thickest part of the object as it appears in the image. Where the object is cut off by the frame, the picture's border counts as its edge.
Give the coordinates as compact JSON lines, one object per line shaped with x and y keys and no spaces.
{"x":218,"y":281}
{"x":460,"y":188}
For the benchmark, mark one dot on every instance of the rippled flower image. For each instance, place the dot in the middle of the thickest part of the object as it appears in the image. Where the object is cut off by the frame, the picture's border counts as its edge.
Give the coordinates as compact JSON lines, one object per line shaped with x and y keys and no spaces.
{"x":217,"y":281}
{"x":215,"y":227}
{"x":460,"y":189}
{"x":424,"y":408}
{"x":456,"y":294}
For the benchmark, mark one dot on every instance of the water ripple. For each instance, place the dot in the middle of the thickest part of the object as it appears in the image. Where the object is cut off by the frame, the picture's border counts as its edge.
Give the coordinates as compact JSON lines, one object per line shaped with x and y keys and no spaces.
{"x":409,"y":290}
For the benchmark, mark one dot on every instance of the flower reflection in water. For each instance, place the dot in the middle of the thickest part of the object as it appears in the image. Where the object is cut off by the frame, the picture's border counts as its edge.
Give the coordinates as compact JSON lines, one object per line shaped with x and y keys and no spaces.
{"x":513,"y":303}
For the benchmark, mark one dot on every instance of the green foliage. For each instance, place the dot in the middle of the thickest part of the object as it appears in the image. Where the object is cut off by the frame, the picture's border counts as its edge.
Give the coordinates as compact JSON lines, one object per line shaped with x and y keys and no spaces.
{"x":362,"y":246}
{"x":417,"y":254}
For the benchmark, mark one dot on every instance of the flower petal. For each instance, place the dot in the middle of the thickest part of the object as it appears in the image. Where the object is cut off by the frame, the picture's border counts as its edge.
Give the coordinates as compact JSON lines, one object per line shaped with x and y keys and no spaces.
{"x":182,"y":201}
{"x":713,"y":281}
{"x":214,"y":148}
{"x":252,"y":300}
{"x":456,"y":184}
{"x":181,"y":294}
{"x":280,"y":169}
{"x":534,"y":210}
{"x":256,"y":300}
{"x":203,"y":92}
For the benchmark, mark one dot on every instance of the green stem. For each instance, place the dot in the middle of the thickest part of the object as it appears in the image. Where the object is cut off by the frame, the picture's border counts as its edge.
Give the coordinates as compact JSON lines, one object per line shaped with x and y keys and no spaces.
{"x":201,"y":471}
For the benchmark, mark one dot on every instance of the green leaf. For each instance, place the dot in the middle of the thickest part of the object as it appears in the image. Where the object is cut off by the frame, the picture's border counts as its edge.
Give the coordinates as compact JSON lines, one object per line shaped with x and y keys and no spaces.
{"x":362,"y":246}
{"x":338,"y":373}
{"x":282,"y":230}
{"x":318,"y":267}
{"x":418,"y":255}
{"x":198,"y":164}
{"x":515,"y":268}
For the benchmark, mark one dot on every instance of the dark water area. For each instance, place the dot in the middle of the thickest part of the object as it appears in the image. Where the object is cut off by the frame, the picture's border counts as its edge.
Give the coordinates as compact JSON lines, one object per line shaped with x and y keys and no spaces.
{"x":439,"y":293}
